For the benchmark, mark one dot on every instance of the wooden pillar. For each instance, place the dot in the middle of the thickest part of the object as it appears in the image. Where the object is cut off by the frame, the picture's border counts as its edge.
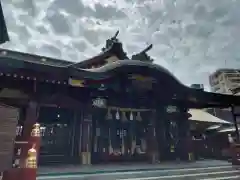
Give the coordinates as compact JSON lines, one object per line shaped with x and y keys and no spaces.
{"x":235,"y":123}
{"x":235,"y":145}
{"x":76,"y":138}
{"x":30,"y":151}
{"x":31,"y":119}
{"x":152,"y":143}
{"x":29,"y":172}
{"x":86,"y":142}
{"x":160,"y":129}
{"x":187,"y":142}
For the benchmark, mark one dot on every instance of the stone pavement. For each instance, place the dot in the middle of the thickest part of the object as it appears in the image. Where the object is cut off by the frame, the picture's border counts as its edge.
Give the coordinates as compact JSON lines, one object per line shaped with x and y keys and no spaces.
{"x":201,"y":171}
{"x":99,"y":169}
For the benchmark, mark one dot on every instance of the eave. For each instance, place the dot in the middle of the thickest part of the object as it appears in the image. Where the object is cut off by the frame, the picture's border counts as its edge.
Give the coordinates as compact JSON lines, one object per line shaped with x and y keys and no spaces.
{"x":203,"y":99}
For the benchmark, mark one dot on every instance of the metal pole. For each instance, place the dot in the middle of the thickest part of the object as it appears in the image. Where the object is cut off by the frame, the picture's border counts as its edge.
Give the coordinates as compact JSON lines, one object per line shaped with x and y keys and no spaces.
{"x":235,"y":123}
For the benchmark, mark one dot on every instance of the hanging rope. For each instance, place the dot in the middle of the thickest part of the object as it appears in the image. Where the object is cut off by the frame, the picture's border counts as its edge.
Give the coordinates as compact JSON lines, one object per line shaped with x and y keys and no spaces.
{"x":127,"y":109}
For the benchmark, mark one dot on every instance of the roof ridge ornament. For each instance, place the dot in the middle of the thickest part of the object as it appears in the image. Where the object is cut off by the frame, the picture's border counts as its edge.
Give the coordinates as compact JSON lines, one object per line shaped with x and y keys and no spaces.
{"x":110,"y":42}
{"x":143,"y":56}
{"x":114,"y":46}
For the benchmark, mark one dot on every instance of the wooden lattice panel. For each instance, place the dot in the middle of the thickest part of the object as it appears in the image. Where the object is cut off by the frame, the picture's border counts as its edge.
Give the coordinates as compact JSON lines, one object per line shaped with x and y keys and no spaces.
{"x":8,"y":123}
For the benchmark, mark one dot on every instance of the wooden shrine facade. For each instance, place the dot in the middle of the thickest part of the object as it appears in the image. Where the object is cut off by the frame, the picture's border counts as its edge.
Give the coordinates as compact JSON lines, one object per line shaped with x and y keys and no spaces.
{"x":125,"y":110}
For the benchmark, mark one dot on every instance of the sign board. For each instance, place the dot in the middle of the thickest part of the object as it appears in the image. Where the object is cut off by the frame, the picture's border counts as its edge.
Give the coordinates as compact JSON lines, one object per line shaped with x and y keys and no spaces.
{"x":8,"y":123}
{"x":142,"y":82}
{"x":99,"y":102}
{"x":76,"y":82}
{"x":171,"y":109}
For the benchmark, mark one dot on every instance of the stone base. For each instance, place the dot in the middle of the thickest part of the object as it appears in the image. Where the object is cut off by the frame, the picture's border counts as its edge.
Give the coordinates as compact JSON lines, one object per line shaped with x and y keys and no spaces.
{"x":154,"y":158}
{"x":86,"y":158}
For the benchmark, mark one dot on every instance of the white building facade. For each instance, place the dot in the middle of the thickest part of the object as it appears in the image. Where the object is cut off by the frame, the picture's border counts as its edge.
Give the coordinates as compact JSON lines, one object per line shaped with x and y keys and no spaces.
{"x":225,"y":80}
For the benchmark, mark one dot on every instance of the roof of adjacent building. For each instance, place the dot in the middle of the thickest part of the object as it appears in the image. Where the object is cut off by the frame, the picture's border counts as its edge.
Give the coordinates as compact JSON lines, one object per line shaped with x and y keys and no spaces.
{"x":228,"y":130}
{"x":202,"y":116}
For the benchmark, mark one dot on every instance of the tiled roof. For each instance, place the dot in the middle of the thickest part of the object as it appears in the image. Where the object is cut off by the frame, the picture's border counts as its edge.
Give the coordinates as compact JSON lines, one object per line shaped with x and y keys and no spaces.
{"x":202,"y":116}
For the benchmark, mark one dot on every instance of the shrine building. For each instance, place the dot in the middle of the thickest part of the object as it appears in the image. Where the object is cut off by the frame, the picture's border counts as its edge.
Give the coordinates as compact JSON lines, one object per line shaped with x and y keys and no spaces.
{"x":109,"y":108}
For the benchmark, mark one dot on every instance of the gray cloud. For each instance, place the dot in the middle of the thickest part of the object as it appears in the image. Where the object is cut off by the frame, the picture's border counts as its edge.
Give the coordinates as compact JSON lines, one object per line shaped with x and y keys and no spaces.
{"x":74,"y":7}
{"x":59,"y":23}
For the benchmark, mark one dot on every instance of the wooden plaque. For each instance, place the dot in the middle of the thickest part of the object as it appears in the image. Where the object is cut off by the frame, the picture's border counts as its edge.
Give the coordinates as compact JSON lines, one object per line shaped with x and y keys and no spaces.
{"x":8,"y":124}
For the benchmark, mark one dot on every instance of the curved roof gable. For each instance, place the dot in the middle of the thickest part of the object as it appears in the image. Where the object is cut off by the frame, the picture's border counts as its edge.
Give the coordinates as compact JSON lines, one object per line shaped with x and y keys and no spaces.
{"x":115,"y":65}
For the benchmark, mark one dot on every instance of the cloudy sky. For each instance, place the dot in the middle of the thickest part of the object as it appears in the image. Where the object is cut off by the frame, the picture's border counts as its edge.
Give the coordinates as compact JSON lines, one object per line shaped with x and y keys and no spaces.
{"x":191,"y":38}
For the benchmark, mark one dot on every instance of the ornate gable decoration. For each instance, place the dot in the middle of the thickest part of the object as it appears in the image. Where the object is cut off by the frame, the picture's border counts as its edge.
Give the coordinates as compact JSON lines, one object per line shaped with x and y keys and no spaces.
{"x":111,"y":59}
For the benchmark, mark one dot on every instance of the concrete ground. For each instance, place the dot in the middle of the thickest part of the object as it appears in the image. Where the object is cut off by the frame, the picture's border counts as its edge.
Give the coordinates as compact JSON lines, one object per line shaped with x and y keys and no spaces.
{"x":208,"y":170}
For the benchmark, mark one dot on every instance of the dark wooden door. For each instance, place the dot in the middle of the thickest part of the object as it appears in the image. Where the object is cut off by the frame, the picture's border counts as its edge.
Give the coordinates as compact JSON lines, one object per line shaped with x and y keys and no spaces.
{"x":55,"y":143}
{"x":57,"y":136}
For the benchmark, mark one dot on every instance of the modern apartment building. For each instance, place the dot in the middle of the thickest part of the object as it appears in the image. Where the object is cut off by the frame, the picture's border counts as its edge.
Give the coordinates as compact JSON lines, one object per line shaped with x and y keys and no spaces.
{"x":225,"y":81}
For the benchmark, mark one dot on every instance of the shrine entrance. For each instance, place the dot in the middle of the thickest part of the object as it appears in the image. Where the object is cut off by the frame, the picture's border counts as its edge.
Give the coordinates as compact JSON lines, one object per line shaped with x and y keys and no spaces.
{"x":119,"y":135}
{"x":57,"y":135}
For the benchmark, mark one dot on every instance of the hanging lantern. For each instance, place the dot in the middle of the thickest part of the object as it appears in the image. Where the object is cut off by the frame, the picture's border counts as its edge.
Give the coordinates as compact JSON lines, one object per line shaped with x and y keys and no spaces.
{"x":109,"y":114}
{"x":138,"y":117}
{"x":31,"y":161}
{"x":36,"y":132}
{"x":124,"y":117}
{"x":117,"y":115}
{"x":131,"y":116}
{"x":172,"y":148}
